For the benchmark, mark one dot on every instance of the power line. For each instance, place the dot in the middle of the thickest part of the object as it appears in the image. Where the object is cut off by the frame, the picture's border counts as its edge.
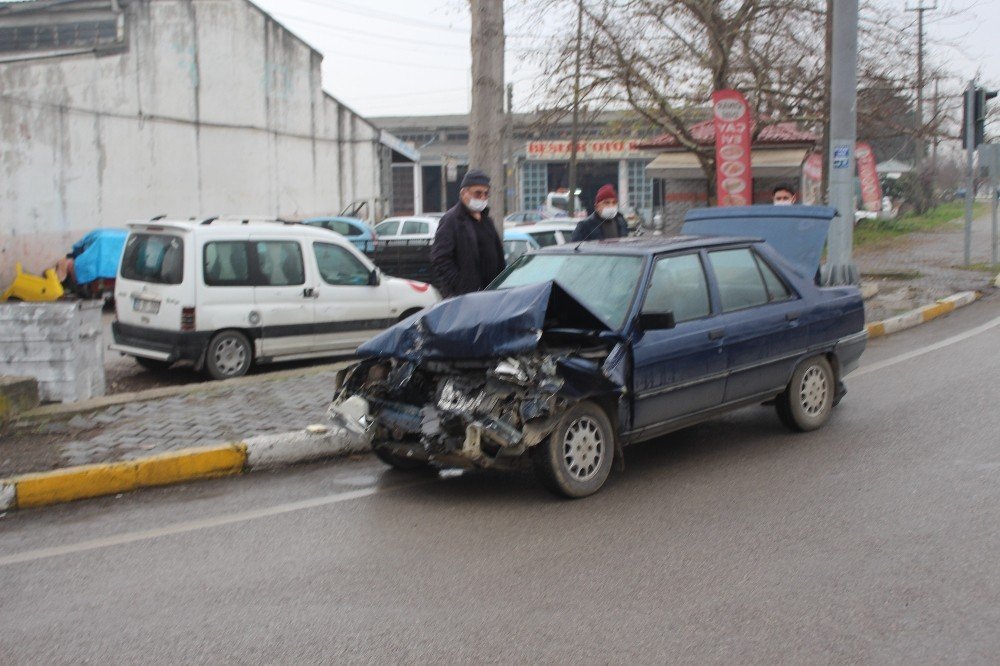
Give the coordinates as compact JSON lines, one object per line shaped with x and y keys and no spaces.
{"x":383,"y":16}
{"x":352,"y":31}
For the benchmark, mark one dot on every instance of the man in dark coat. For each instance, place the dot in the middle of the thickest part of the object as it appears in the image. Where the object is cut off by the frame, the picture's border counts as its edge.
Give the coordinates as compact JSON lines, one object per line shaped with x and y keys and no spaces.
{"x":467,"y":252}
{"x":605,"y":221}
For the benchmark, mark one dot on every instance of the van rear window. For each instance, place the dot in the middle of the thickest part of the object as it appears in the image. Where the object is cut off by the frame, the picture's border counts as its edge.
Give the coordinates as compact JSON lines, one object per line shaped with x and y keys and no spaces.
{"x":157,"y":258}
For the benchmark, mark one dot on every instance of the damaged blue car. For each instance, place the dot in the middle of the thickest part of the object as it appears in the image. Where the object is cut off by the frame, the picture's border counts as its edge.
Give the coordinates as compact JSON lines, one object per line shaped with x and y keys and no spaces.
{"x":576,"y":351}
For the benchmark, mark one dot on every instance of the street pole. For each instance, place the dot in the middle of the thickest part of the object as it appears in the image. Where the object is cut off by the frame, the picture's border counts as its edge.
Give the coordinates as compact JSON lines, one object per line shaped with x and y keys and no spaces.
{"x":934,"y":145}
{"x":575,"y":130}
{"x":486,"y":122}
{"x":843,"y":95}
{"x":970,"y":144}
{"x":508,"y":135}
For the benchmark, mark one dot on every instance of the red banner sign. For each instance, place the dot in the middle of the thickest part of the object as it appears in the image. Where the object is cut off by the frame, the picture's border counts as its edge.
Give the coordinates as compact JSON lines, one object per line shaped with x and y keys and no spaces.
{"x":734,"y":181}
{"x":871,"y":190}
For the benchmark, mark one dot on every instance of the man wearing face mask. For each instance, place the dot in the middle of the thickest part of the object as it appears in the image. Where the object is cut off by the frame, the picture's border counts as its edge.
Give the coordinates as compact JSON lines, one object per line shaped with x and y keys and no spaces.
{"x":605,"y":222}
{"x":467,"y":253}
{"x":783,"y":195}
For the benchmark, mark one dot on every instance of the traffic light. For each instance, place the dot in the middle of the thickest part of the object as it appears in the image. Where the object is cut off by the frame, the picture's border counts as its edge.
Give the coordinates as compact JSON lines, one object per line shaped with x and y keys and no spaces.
{"x":980,"y":96}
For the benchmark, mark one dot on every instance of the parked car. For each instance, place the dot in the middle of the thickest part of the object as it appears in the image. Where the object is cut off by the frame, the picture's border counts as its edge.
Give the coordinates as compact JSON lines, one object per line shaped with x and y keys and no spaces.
{"x":523,"y":217}
{"x":578,"y":350}
{"x":550,"y":232}
{"x":516,"y":243}
{"x":227,"y":294}
{"x":353,"y":229}
{"x":408,"y":230}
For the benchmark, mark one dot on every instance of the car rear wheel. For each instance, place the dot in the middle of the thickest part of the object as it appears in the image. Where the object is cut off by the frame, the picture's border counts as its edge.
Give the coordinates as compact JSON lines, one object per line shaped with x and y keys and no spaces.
{"x":152,"y":364}
{"x":808,"y":400}
{"x":575,"y":460}
{"x":229,"y":355}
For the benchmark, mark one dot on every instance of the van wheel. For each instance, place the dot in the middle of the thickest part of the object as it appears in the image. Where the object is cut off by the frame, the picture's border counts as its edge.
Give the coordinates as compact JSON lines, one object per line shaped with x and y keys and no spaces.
{"x":229,"y":355}
{"x":575,"y":460}
{"x":808,"y":400}
{"x":152,"y":364}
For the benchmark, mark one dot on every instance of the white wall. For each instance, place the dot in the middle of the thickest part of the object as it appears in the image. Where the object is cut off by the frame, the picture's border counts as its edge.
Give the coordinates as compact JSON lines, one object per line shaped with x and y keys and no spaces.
{"x":213,"y":109}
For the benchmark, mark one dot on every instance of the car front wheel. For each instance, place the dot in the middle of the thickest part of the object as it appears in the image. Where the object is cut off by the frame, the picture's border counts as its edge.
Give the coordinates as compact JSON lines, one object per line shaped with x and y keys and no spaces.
{"x":808,"y":399}
{"x":229,"y":355}
{"x":575,"y":460}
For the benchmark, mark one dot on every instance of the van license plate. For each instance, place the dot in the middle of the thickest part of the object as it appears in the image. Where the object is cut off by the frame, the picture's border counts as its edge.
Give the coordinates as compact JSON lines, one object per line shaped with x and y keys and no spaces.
{"x":142,"y":305}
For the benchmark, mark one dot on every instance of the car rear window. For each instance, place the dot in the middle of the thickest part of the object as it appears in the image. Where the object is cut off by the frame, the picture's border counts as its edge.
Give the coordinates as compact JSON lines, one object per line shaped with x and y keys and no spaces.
{"x":156,"y":258}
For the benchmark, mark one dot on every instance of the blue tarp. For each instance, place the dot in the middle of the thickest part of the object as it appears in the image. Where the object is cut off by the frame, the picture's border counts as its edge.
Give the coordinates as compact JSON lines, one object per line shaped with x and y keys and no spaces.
{"x":485,"y":324}
{"x":98,"y":254}
{"x":798,"y":233}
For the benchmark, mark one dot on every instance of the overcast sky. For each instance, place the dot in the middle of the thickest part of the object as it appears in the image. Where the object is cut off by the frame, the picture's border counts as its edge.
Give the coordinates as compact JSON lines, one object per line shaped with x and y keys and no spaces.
{"x":411,"y":57}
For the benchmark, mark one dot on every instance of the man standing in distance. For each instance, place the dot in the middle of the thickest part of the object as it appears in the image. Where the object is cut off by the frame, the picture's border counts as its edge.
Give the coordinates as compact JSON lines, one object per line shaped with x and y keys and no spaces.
{"x":467,"y":253}
{"x":783,"y":195}
{"x":605,"y":221}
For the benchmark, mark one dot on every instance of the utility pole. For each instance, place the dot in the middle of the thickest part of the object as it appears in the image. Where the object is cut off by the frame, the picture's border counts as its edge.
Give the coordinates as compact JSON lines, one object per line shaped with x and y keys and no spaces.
{"x":843,"y":95}
{"x":574,"y":137}
{"x":920,"y":6}
{"x":970,"y":145}
{"x":508,"y":135}
{"x":486,"y":121}
{"x":934,"y":144}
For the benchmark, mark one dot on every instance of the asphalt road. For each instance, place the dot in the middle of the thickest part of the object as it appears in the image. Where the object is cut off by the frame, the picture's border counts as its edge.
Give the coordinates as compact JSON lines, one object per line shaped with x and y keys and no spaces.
{"x":872,"y":540}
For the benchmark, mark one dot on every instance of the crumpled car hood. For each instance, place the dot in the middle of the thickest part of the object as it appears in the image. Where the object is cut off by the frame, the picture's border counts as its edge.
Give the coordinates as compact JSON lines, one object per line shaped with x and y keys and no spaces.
{"x":485,"y":324}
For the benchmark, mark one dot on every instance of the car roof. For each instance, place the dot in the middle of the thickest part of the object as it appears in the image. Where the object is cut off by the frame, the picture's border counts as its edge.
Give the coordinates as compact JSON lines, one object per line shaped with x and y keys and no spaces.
{"x":337,"y":218}
{"x":223,"y":227}
{"x":547,"y":226}
{"x":644,"y":245}
{"x":419,"y":218}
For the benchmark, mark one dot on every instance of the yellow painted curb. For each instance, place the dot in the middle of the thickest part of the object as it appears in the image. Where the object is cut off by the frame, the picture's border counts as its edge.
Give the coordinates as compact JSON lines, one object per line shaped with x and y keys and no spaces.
{"x":73,"y":483}
{"x":938,"y":309}
{"x":876,"y":330}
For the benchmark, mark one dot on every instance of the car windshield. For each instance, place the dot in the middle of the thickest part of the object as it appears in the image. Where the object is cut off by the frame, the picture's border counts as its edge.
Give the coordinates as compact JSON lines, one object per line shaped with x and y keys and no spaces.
{"x":604,"y":283}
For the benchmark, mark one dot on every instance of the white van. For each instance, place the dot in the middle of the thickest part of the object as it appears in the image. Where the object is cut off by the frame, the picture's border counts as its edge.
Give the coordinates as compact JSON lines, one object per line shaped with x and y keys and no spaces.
{"x":225,"y":294}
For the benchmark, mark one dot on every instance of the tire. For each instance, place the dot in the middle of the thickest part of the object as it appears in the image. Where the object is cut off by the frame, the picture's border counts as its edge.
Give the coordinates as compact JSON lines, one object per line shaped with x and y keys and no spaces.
{"x":229,"y":355}
{"x":807,"y":402}
{"x":575,"y":460}
{"x":152,"y":364}
{"x":399,"y":462}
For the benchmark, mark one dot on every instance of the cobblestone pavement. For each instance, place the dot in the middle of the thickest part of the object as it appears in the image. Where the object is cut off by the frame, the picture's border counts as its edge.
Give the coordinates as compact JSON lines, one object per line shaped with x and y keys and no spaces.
{"x":198,"y":418}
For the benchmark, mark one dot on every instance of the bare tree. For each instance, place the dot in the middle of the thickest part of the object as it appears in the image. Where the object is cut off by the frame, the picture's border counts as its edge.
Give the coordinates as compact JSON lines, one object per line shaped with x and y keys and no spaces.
{"x":486,"y":126}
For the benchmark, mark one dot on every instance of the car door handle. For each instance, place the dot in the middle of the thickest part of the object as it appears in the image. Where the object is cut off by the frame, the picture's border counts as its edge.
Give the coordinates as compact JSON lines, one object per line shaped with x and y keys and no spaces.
{"x":716,"y":334}
{"x":309,"y":292}
{"x":792,"y":316}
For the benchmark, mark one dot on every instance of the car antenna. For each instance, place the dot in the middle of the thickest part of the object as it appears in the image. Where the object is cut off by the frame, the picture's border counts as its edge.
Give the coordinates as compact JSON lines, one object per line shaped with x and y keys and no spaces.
{"x":209,"y":220}
{"x":158,"y":217}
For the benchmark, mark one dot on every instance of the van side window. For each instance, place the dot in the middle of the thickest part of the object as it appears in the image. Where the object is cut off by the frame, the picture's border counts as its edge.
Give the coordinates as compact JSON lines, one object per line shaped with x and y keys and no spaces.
{"x":338,"y":266}
{"x":279,"y":263}
{"x":226,"y":264}
{"x":678,"y":285}
{"x":413,"y":227}
{"x":740,"y":282}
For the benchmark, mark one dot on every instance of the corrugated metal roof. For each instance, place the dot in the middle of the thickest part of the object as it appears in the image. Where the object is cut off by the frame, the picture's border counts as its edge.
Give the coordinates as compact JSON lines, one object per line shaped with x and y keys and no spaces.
{"x":704,"y":134}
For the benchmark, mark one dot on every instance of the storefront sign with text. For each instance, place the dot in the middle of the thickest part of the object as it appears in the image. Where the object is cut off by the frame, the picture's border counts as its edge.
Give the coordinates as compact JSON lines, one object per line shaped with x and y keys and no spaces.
{"x":733,"y":177}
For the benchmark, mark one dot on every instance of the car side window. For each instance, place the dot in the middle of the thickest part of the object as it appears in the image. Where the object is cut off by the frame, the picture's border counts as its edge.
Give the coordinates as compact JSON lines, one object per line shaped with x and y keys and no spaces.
{"x":740,"y":283}
{"x":776,"y":289}
{"x":279,"y":263}
{"x":226,"y":264}
{"x":412,"y":227}
{"x":545,"y":238}
{"x":387,"y":228}
{"x":678,"y":285}
{"x":338,"y":266}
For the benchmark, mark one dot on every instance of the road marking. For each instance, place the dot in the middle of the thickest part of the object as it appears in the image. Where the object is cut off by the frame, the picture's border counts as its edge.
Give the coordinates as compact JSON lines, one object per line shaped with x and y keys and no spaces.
{"x":193,"y":525}
{"x":947,"y":342}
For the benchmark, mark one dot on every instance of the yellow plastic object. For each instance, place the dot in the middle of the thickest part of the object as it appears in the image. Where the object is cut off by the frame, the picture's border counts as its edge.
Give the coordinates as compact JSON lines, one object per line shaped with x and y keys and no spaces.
{"x":27,"y":287}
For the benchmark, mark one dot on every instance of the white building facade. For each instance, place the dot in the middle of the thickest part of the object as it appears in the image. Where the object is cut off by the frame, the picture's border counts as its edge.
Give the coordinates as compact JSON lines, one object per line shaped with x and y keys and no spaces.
{"x":112,"y":110}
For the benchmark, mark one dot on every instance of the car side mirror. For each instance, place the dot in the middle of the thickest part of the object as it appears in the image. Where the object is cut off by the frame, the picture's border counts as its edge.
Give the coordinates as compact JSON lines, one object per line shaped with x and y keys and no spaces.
{"x":656,"y":321}
{"x":373,"y":279}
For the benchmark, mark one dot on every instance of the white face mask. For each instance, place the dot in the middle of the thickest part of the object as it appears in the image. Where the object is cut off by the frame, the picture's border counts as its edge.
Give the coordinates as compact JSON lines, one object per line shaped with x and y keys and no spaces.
{"x":786,"y":202}
{"x":609,"y":212}
{"x":478,"y":205}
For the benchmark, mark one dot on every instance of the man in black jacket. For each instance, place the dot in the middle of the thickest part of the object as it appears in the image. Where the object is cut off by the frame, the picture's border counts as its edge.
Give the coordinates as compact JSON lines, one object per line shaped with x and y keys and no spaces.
{"x":605,"y":221}
{"x":467,"y":252}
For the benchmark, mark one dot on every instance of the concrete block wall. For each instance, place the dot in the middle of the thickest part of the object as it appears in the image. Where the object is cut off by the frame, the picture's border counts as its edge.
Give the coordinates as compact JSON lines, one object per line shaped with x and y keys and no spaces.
{"x":60,"y":344}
